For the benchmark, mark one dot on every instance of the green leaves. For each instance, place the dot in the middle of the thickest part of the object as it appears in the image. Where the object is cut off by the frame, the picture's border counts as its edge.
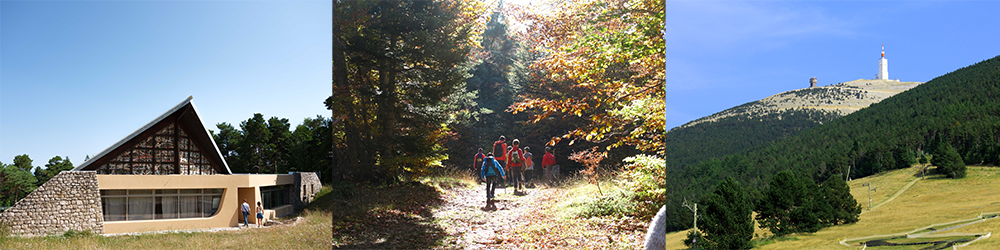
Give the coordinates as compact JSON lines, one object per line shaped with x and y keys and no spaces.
{"x":15,"y":181}
{"x":948,"y":161}
{"x":727,"y":222}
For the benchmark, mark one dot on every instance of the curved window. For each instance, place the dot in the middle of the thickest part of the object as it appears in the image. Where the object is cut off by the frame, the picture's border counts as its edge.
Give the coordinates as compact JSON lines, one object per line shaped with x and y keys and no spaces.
{"x":150,"y":204}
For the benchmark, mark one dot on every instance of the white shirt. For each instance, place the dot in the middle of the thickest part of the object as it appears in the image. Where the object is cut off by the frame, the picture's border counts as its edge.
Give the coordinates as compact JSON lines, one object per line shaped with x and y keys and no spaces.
{"x":245,"y":207}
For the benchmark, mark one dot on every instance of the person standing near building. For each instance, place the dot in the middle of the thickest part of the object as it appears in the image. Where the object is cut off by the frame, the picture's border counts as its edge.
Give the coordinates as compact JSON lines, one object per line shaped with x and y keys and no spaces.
{"x":260,"y":215}
{"x":515,"y":162}
{"x":245,"y":208}
{"x":477,"y":162}
{"x":529,"y":169}
{"x":489,"y":172}
{"x":549,"y":165}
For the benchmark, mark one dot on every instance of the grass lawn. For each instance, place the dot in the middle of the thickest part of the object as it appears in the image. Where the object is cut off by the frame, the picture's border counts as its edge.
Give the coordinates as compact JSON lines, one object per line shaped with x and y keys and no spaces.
{"x":311,"y":233}
{"x":934,"y":200}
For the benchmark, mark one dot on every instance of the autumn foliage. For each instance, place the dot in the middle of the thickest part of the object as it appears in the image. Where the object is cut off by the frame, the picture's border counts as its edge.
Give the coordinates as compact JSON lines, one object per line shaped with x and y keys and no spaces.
{"x":602,"y":60}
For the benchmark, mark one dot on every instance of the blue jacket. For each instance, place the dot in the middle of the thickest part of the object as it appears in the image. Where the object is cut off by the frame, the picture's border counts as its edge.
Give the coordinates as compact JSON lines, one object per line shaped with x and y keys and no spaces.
{"x":488,"y":170}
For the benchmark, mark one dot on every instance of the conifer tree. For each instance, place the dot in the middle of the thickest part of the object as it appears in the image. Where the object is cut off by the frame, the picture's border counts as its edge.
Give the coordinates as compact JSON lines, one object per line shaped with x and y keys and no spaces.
{"x":727,"y":221}
{"x":948,"y":161}
{"x":844,"y":209}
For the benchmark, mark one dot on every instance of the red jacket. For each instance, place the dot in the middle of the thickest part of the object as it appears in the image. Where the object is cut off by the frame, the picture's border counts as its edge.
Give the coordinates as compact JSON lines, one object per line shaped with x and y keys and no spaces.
{"x":520,"y":155}
{"x":502,"y":155}
{"x":478,"y":161}
{"x":548,"y":160}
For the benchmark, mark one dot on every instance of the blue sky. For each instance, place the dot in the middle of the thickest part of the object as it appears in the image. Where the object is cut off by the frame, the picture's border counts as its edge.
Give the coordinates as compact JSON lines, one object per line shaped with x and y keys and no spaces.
{"x":721,"y":54}
{"x":77,"y":76}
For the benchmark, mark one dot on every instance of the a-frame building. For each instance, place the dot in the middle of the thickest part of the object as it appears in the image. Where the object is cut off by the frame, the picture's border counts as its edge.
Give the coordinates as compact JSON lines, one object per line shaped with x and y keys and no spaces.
{"x":176,"y":142}
{"x":167,"y":175}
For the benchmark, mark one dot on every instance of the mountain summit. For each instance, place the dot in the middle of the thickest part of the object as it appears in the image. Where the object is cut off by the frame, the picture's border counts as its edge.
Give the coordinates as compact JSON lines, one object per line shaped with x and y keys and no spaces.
{"x":840,"y":99}
{"x":758,"y":123}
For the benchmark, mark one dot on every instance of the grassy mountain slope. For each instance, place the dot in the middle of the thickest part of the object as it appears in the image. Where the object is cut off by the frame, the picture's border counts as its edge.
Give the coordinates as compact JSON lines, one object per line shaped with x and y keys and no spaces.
{"x":756,"y":124}
{"x":934,"y":200}
{"x":961,"y":108}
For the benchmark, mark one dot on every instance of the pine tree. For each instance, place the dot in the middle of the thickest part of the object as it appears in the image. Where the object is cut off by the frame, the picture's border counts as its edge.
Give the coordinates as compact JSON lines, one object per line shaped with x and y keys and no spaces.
{"x":791,"y":205}
{"x":948,"y":161}
{"x":727,"y":221}
{"x":775,"y":207}
{"x":845,"y":209}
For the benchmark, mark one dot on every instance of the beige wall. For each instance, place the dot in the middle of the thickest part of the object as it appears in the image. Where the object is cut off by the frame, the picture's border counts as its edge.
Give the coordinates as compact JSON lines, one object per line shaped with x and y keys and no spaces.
{"x":237,"y":188}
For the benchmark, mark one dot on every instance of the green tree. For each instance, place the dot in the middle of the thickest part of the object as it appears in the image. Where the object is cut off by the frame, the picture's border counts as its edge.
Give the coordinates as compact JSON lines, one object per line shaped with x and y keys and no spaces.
{"x":23,"y":162}
{"x":56,"y":164}
{"x":228,"y":140}
{"x":311,"y":147}
{"x":810,"y":216}
{"x":948,"y":161}
{"x":402,"y":60}
{"x":844,"y":208}
{"x":495,"y":81}
{"x":791,"y":205}
{"x":15,"y":181}
{"x":727,"y":221}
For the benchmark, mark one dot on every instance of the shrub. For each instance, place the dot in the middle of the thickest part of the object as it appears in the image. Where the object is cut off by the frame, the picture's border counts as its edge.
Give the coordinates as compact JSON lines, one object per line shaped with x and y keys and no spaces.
{"x":645,"y":179}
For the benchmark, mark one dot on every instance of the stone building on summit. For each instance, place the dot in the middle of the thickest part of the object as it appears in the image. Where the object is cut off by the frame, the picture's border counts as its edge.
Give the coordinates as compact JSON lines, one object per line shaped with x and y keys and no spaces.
{"x":167,"y":175}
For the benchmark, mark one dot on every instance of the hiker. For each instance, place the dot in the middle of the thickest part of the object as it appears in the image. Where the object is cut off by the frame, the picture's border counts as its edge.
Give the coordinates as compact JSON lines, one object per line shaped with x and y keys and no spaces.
{"x":529,"y":169}
{"x":245,"y":208}
{"x":549,"y":165}
{"x":500,"y":151}
{"x":515,"y":161}
{"x":477,"y":162}
{"x":260,"y":215}
{"x":489,"y":172}
{"x":510,"y":181}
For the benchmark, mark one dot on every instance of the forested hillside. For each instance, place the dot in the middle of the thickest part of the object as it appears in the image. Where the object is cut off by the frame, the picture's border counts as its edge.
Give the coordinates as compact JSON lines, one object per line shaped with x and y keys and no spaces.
{"x":961,"y":109}
{"x":757,"y":124}
{"x":735,"y":134}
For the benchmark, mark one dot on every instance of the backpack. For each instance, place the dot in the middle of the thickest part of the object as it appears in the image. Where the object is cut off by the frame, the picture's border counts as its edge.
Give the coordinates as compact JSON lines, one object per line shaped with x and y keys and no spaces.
{"x":493,"y":167}
{"x":498,"y":149}
{"x":515,"y":157}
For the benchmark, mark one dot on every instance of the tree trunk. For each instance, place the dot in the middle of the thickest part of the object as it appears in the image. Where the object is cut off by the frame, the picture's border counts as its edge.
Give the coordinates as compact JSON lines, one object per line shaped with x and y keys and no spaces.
{"x":340,"y":79}
{"x":387,"y":111}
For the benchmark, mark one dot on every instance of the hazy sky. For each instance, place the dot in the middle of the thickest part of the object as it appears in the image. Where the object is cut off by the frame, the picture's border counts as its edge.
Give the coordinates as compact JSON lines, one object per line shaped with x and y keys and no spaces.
{"x":77,"y":76}
{"x":722,"y":54}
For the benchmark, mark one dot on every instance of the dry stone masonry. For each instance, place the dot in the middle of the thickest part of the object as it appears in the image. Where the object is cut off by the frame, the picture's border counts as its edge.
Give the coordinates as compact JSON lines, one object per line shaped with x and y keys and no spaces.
{"x":69,"y":201}
{"x":306,"y":185}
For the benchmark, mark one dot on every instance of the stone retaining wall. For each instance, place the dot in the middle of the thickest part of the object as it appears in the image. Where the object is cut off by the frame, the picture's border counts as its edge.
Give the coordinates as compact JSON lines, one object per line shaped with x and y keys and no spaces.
{"x":304,"y":189}
{"x":70,"y":200}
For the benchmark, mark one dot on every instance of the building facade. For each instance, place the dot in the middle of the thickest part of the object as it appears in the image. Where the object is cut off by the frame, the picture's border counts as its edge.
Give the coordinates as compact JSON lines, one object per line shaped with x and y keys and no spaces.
{"x":167,"y":175}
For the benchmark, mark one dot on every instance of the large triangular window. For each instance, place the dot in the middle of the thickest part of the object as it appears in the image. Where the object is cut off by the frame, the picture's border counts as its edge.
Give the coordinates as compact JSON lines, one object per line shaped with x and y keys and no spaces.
{"x":157,"y":155}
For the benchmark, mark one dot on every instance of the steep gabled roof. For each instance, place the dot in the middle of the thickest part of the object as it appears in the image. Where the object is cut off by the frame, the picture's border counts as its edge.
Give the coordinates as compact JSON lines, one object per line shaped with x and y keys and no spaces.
{"x":184,"y":113}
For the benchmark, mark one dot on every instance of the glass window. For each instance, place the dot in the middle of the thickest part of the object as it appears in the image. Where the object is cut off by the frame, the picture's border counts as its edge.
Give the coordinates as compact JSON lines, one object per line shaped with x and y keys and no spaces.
{"x":140,"y":192}
{"x":140,"y":208}
{"x":122,"y":205}
{"x":190,"y":191}
{"x":114,"y":208}
{"x":112,"y":192}
{"x":170,"y":207}
{"x":158,"y":154}
{"x":274,"y":196}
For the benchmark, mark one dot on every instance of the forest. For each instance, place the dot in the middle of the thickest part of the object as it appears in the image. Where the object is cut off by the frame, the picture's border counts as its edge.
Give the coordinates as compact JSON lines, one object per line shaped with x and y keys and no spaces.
{"x":953,"y":120}
{"x":420,"y":86}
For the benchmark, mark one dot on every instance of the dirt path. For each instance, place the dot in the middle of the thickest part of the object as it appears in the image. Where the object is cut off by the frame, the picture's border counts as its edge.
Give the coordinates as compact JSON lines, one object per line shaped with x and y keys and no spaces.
{"x":893,"y":197}
{"x":470,"y":225}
